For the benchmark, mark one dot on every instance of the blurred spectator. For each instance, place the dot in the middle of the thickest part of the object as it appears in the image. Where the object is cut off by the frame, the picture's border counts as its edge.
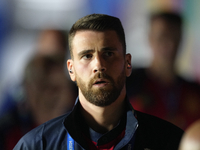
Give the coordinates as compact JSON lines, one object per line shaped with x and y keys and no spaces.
{"x":49,"y":42}
{"x":47,"y":88}
{"x":158,"y":89}
{"x":52,"y":41}
{"x":191,"y":137}
{"x":45,"y":91}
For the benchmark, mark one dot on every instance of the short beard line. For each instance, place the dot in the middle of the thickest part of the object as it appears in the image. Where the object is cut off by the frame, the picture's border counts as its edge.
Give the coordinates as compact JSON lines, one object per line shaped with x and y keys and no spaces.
{"x":102,"y":97}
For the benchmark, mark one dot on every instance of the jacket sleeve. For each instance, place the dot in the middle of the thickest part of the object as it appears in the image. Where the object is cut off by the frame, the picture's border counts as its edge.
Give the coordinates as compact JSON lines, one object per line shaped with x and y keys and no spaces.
{"x":21,"y":145}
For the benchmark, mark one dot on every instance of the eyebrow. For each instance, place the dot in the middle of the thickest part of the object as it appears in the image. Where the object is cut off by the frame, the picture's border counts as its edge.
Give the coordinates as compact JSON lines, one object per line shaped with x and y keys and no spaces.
{"x":109,"y":49}
{"x":84,"y":52}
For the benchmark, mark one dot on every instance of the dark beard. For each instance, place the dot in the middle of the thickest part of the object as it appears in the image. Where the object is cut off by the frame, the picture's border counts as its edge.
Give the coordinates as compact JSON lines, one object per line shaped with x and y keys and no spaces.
{"x":102,"y":96}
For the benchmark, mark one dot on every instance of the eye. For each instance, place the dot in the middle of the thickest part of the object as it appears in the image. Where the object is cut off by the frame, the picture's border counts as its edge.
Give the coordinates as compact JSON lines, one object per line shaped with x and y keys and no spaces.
{"x":87,"y":56}
{"x":108,"y":53}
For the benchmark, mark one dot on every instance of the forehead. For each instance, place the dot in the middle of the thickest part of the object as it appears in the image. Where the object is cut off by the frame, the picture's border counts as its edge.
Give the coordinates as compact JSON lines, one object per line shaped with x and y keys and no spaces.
{"x":88,"y":39}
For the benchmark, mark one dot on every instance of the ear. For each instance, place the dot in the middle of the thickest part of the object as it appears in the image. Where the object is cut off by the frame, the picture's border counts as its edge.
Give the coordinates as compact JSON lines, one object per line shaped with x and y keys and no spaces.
{"x":128,"y":66}
{"x":70,"y":68}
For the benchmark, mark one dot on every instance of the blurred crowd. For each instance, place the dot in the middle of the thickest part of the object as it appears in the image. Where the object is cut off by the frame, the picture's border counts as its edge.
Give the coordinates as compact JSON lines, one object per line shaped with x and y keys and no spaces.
{"x":47,"y":92}
{"x":158,"y":89}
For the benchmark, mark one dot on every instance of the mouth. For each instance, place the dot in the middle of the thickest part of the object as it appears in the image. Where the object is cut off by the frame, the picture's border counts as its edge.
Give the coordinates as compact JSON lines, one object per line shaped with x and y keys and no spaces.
{"x":100,"y":82}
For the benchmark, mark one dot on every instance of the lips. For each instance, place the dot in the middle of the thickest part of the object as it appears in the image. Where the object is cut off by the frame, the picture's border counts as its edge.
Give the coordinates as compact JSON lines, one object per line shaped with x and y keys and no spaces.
{"x":100,"y":81}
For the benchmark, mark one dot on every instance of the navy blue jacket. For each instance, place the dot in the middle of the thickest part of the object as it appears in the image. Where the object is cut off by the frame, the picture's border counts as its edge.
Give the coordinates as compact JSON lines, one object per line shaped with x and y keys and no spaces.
{"x":149,"y":132}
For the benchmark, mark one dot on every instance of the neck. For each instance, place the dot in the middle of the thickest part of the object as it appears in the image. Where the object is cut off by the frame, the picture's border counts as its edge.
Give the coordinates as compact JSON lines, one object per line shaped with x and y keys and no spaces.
{"x":102,"y":119}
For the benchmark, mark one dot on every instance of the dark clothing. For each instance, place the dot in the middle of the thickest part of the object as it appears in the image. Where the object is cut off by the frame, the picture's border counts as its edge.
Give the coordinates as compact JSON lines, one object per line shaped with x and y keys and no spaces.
{"x":156,"y":134}
{"x":152,"y":133}
{"x":177,"y":102}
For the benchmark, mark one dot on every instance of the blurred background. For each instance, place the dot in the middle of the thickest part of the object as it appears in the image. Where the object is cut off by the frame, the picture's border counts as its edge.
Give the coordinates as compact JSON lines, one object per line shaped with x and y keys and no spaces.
{"x":21,"y":21}
{"x":34,"y":82}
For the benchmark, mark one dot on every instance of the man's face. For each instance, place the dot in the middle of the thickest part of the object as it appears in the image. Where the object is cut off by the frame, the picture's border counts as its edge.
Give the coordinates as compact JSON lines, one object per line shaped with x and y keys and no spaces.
{"x":99,"y":66}
{"x":164,"y":39}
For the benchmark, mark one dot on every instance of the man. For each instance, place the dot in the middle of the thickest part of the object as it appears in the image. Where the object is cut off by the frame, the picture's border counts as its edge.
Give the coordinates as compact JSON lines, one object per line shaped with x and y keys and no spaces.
{"x":102,"y":117}
{"x":158,"y":89}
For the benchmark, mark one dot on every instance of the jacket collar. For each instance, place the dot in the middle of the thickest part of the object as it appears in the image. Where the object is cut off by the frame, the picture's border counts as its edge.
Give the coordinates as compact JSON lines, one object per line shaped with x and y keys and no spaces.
{"x":72,"y":124}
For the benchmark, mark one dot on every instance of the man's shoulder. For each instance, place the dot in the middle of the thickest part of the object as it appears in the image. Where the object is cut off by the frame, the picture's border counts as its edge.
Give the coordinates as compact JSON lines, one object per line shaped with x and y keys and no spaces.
{"x":157,"y":133}
{"x":49,"y":131}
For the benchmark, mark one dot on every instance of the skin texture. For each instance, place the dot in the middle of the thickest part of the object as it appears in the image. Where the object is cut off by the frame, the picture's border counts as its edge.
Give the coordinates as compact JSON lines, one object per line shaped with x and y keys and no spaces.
{"x":98,"y":58}
{"x":191,"y":138}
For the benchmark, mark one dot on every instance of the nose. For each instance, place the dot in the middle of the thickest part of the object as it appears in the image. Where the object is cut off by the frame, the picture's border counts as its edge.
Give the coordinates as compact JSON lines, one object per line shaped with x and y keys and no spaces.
{"x":99,"y":65}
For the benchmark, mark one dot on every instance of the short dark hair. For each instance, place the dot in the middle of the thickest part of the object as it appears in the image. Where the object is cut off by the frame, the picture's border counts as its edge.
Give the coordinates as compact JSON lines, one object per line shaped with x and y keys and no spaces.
{"x":169,"y":17}
{"x":98,"y":22}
